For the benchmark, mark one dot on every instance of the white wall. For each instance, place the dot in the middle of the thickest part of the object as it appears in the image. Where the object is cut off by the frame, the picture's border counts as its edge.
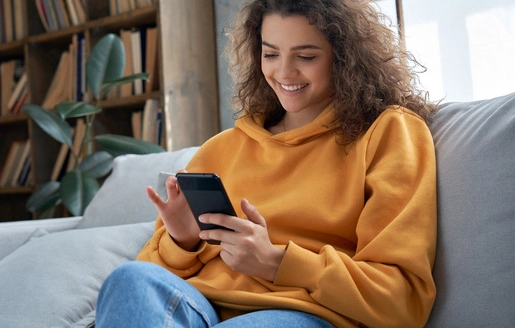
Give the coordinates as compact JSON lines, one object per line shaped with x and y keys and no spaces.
{"x":468,"y":46}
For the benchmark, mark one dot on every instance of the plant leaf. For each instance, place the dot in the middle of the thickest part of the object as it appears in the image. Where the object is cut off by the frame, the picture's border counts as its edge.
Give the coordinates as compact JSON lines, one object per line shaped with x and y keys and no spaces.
{"x":77,"y":190}
{"x":106,"y":62}
{"x":45,"y":198}
{"x":69,"y":109}
{"x":51,"y":123}
{"x":118,"y":145}
{"x":97,"y":164}
{"x":107,"y":87}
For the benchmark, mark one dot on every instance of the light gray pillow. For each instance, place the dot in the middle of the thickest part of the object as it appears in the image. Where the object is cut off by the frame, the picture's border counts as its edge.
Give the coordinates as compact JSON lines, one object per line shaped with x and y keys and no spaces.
{"x":475,"y":264}
{"x":122,"y":198}
{"x":53,"y":280}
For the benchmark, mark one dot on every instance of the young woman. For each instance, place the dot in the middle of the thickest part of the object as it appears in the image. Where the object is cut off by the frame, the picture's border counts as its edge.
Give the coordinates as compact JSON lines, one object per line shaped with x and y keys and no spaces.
{"x":333,"y":166}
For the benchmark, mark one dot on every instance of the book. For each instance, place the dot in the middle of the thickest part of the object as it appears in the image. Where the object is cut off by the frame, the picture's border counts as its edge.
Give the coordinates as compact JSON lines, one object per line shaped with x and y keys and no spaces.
{"x":81,"y":67}
{"x":60,"y":160}
{"x":159,"y":127}
{"x":2,"y":29}
{"x":73,"y":49}
{"x":51,"y":15}
{"x":123,"y":6}
{"x":18,"y":91}
{"x":113,"y":7}
{"x":59,"y":89}
{"x":137,"y":66}
{"x":80,"y":131}
{"x":143,"y":3}
{"x":15,"y":110}
{"x":23,"y":179}
{"x":74,"y":17}
{"x":7,"y":78}
{"x":8,"y":21}
{"x":149,"y":125}
{"x":64,"y":16}
{"x":136,"y":120}
{"x":20,"y":29}
{"x":10,"y":161}
{"x":24,"y":153}
{"x":81,"y":12}
{"x":132,"y":4}
{"x":42,"y":14}
{"x":151,"y":60}
{"x":125,"y":36}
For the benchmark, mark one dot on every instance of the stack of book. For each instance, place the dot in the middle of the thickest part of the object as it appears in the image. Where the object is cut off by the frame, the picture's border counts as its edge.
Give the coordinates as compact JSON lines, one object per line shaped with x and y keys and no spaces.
{"x":69,"y":80}
{"x":15,"y":171}
{"x":59,"y":14}
{"x":141,"y":56}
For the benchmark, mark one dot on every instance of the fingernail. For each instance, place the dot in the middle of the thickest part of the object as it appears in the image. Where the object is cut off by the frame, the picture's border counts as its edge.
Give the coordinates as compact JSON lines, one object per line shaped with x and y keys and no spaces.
{"x":202,"y":218}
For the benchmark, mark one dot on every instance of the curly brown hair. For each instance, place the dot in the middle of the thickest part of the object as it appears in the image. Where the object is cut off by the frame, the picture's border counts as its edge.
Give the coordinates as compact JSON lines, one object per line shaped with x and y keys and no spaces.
{"x":370,"y":70}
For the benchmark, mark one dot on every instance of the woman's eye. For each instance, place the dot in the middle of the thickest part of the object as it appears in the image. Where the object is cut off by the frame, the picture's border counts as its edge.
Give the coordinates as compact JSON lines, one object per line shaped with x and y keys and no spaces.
{"x":269,"y":55}
{"x":307,"y":58}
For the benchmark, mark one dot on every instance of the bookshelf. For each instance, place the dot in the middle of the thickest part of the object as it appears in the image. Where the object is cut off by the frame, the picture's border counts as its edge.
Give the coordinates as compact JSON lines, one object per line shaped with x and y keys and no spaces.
{"x":189,"y":112}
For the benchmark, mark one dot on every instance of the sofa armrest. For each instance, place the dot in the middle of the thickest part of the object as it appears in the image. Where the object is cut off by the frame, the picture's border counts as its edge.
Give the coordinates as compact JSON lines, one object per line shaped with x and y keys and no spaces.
{"x":14,"y":234}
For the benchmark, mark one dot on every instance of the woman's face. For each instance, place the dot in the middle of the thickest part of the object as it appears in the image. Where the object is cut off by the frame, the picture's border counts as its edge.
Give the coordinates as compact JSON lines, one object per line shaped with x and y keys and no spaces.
{"x":296,"y":62}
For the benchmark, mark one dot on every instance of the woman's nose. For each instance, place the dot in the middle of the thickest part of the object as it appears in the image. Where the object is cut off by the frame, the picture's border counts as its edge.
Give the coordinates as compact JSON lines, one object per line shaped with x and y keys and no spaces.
{"x":287,"y":69}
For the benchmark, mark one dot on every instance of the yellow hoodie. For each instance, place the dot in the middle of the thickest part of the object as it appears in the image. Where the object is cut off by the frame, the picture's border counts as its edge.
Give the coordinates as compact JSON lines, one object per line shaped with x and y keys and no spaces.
{"x":358,"y":223}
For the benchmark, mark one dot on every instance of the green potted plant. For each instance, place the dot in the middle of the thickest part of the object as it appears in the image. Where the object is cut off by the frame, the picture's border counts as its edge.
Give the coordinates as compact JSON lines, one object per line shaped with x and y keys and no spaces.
{"x":76,"y":189}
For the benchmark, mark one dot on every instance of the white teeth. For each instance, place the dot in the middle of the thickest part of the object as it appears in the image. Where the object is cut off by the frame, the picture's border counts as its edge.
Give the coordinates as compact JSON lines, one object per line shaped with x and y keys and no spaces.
{"x":293,"y":87}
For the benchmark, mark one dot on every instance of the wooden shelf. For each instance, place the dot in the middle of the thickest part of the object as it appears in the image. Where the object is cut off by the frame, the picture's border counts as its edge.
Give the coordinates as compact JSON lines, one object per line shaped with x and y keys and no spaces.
{"x":14,"y":118}
{"x":189,"y":119}
{"x":16,"y":190}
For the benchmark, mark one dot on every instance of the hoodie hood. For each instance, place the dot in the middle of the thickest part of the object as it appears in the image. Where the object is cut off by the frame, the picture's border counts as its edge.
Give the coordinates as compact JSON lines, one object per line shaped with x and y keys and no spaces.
{"x":254,"y":128}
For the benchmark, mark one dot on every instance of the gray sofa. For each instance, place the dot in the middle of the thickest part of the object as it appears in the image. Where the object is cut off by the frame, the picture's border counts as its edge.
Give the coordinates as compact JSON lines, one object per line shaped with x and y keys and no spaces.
{"x":51,"y":270}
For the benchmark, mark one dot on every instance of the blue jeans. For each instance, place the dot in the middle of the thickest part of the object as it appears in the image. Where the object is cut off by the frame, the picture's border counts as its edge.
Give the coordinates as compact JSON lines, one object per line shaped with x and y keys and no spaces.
{"x":142,"y":294}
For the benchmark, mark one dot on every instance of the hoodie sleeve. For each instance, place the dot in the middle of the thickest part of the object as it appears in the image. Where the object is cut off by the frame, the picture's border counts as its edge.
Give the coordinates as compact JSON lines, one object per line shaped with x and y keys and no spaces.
{"x":387,"y":282}
{"x":162,"y":250}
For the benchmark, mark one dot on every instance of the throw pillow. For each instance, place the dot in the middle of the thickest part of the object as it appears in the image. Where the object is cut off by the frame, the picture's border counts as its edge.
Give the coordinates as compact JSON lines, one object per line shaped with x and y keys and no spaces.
{"x":122,"y":199}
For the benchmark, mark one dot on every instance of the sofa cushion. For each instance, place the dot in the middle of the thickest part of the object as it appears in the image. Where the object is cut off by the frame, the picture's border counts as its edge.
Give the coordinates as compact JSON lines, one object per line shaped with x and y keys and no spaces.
{"x":122,"y":199}
{"x":53,"y":280}
{"x":475,"y":264}
{"x":16,"y":233}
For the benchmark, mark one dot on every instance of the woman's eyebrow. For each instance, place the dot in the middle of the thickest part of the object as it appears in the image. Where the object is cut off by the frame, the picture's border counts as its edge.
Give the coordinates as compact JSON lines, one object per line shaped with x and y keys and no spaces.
{"x":300,"y":47}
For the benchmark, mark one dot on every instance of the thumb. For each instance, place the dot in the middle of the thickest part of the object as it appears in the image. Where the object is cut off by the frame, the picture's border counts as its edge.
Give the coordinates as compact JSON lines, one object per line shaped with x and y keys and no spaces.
{"x":252,"y":213}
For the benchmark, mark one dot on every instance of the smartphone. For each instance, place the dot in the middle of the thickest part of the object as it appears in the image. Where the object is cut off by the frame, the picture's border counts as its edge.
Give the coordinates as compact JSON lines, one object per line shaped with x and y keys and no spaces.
{"x":205,"y":193}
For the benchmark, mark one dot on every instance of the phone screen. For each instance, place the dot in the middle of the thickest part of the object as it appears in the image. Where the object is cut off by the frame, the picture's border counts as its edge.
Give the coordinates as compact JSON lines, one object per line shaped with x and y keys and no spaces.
{"x":205,"y":193}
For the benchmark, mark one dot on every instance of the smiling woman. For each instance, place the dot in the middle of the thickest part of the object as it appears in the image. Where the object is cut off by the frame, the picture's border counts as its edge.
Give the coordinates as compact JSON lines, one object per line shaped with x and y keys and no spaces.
{"x":333,"y":168}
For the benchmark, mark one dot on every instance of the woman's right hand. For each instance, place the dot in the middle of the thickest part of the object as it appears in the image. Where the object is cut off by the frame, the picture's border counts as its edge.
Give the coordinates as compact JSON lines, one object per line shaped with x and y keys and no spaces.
{"x":176,"y":215}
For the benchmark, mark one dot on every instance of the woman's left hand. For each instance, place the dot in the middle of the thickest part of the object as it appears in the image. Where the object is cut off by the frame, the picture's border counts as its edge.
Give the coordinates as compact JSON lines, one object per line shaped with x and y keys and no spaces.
{"x":247,"y":249}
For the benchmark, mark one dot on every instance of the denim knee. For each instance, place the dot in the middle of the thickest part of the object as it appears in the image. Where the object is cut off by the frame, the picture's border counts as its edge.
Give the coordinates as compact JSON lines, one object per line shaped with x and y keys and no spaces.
{"x":142,"y":294}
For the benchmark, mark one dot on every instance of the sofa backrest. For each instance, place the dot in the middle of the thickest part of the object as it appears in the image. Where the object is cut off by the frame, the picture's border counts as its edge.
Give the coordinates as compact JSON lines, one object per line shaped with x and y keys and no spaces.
{"x":475,"y":264}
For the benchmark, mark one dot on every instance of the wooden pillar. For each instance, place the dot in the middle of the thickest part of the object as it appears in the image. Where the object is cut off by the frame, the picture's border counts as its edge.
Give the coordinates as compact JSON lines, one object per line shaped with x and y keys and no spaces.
{"x":400,"y":22}
{"x":189,"y":72}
